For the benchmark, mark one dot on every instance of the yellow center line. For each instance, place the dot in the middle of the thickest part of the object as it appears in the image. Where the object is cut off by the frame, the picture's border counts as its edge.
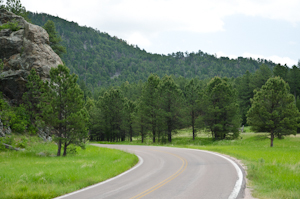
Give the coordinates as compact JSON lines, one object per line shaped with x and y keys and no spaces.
{"x":162,"y":183}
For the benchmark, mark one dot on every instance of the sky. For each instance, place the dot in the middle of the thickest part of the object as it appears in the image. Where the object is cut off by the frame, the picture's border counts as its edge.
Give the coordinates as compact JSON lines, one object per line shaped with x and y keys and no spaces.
{"x":268,"y":29}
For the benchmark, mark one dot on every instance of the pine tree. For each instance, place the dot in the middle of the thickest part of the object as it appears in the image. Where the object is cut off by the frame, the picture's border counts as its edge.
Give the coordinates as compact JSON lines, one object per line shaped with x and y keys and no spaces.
{"x":17,"y":8}
{"x":273,"y":110}
{"x":294,"y":80}
{"x":139,"y":124}
{"x":281,"y":71}
{"x":63,"y":109}
{"x":54,"y":38}
{"x":149,"y":103}
{"x":111,"y":105}
{"x":191,"y":95}
{"x":245,"y":93}
{"x":32,"y":97}
{"x":2,"y":6}
{"x":128,"y":113}
{"x":260,"y":77}
{"x":170,"y":104}
{"x":220,"y":109}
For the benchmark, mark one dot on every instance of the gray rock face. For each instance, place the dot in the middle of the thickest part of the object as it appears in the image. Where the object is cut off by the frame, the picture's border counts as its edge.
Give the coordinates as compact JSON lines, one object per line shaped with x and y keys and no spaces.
{"x":4,"y":130}
{"x":21,"y":51}
{"x":45,"y":133}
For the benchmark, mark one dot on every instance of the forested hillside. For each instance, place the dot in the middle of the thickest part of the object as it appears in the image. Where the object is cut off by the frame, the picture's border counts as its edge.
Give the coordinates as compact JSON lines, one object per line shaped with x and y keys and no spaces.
{"x":102,"y":60}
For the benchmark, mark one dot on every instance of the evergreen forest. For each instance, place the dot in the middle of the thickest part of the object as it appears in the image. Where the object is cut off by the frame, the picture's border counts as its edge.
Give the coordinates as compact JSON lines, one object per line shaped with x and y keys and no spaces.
{"x":101,"y":60}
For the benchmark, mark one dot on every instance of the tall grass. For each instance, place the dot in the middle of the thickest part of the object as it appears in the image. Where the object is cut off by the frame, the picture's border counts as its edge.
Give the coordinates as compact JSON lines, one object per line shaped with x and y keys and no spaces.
{"x":32,"y":174}
{"x":273,"y":172}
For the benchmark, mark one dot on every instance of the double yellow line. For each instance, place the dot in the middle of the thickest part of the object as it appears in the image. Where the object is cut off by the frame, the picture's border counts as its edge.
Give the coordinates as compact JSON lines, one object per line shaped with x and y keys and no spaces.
{"x":162,"y":183}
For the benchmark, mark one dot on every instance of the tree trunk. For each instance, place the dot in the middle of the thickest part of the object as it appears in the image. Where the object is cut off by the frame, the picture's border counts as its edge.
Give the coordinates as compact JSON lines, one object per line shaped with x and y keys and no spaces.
{"x":193,"y":124}
{"x":130,"y":132}
{"x":65,"y":149}
{"x":153,"y":133}
{"x":169,"y":132}
{"x":272,"y":138}
{"x":142,"y":130}
{"x":58,"y":147}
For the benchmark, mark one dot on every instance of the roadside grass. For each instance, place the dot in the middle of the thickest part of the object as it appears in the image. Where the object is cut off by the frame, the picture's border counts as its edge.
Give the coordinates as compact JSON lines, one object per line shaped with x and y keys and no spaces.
{"x":272,"y":172}
{"x":32,"y":174}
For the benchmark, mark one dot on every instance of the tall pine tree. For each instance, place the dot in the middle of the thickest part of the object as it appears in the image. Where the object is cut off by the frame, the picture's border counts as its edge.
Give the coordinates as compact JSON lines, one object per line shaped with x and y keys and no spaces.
{"x":63,"y":109}
{"x":54,"y":38}
{"x":149,"y":103}
{"x":273,"y":110}
{"x":171,"y":105}
{"x":220,"y":109}
{"x":191,"y":92}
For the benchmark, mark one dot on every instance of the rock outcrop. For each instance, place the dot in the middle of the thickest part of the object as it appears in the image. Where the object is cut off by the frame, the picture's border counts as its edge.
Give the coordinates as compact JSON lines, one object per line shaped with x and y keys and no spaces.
{"x":21,"y":51}
{"x":4,"y":130}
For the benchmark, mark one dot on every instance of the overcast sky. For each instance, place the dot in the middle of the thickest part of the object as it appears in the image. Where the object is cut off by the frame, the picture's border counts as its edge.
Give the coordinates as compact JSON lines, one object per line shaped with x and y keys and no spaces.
{"x":267,"y":29}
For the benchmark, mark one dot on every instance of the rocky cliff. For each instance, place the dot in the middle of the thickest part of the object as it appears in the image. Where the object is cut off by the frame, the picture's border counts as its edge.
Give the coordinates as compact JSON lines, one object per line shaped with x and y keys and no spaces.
{"x":21,"y":51}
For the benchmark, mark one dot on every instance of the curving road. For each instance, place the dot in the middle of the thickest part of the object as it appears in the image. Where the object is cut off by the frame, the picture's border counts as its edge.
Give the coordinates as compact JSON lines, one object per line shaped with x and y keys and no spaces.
{"x":169,"y":173}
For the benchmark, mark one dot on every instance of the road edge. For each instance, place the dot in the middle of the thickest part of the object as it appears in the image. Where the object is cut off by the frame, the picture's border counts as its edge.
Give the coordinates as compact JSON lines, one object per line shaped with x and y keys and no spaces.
{"x":140,"y":162}
{"x":241,"y":181}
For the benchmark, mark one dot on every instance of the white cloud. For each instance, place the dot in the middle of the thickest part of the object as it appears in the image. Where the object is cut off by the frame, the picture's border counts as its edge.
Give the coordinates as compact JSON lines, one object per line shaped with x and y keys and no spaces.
{"x":274,"y":58}
{"x":137,"y":38}
{"x":287,"y":10}
{"x":143,"y":22}
{"x":165,"y":15}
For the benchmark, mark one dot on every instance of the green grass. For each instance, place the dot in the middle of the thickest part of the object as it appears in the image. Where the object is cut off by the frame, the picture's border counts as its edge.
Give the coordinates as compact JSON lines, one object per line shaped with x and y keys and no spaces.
{"x":29,"y":175}
{"x":273,"y":172}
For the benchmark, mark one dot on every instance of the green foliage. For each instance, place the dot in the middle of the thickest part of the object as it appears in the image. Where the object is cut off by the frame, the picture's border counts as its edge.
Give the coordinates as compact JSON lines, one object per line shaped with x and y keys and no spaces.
{"x":18,"y":119}
{"x":293,"y":78}
{"x":260,"y":77}
{"x":33,"y":97}
{"x":101,"y":60}
{"x":149,"y":104}
{"x":6,"y":140}
{"x":281,"y":71}
{"x":191,"y":93}
{"x":22,"y":142}
{"x":17,"y":8}
{"x":15,"y":117}
{"x":220,"y":109}
{"x":245,"y":93}
{"x":111,"y":109}
{"x":2,"y":6}
{"x":12,"y":25}
{"x":54,"y":38}
{"x":63,"y":109}
{"x":273,"y":110}
{"x":170,"y":105}
{"x":1,"y":65}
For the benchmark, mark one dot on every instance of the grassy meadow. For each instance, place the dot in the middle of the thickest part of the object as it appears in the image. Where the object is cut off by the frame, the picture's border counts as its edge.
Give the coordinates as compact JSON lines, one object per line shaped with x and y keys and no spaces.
{"x":272,"y":172}
{"x":37,"y":173}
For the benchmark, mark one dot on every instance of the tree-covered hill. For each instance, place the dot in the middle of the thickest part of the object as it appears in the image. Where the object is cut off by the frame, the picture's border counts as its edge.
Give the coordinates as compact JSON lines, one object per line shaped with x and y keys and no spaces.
{"x":102,"y":60}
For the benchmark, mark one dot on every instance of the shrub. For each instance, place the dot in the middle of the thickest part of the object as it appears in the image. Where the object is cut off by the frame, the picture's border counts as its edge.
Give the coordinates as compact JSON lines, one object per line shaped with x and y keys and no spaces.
{"x":12,"y":25}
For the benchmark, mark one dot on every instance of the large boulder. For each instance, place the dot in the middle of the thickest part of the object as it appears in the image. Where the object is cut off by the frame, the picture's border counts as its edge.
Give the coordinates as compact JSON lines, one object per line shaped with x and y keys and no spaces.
{"x":21,"y":51}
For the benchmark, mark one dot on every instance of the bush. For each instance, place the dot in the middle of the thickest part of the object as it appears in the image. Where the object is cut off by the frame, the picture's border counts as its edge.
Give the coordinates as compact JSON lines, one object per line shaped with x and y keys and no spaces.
{"x":12,"y":25}
{"x":22,"y":143}
{"x":18,"y":119}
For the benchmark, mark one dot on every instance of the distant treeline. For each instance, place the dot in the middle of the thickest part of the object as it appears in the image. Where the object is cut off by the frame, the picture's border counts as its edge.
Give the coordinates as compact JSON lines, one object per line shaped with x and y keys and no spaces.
{"x":160,"y":106}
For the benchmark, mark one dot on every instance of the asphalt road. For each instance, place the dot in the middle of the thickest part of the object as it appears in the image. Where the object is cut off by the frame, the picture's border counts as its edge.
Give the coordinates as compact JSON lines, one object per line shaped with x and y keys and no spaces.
{"x":170,"y":173}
